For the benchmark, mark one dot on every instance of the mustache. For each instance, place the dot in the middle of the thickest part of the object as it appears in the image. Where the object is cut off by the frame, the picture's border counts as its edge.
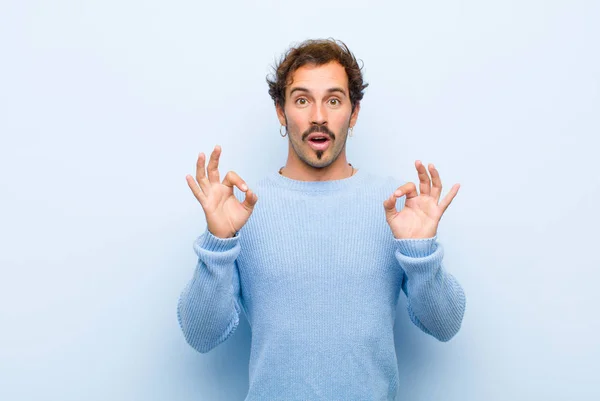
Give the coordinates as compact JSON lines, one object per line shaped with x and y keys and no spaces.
{"x":318,"y":128}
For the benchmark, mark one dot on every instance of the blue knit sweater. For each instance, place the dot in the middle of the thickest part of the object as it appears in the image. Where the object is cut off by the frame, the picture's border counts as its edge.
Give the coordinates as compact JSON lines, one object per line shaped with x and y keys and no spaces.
{"x":318,"y":274}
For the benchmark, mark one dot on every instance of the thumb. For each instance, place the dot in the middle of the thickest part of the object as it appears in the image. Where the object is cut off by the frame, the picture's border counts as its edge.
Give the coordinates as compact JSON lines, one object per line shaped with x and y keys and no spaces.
{"x":390,"y":206}
{"x":250,"y":200}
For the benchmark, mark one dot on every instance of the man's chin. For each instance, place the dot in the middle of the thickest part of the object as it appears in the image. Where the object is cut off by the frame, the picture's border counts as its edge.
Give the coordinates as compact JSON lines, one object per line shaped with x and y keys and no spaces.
{"x":319,"y":163}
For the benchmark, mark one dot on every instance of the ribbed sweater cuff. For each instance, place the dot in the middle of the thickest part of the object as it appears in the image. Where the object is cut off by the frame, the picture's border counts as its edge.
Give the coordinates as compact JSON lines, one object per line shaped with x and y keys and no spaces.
{"x":417,"y":247}
{"x":209,"y":242}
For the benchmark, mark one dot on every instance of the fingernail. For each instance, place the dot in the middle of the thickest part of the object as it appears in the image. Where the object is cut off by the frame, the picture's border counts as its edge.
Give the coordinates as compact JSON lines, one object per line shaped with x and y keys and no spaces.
{"x":244,"y":187}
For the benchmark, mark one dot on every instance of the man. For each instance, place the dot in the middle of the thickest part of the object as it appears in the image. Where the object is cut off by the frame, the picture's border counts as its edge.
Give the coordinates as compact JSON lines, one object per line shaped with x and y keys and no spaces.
{"x":318,"y":263}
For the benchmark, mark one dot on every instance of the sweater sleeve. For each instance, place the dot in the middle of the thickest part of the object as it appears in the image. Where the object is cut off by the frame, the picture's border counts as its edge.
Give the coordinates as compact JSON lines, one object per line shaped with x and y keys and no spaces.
{"x":436,"y":301}
{"x":209,"y":306}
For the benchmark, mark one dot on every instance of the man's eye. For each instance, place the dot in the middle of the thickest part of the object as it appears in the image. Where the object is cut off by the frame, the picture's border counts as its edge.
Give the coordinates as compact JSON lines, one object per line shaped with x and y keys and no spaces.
{"x":334,"y":102}
{"x":301,"y":101}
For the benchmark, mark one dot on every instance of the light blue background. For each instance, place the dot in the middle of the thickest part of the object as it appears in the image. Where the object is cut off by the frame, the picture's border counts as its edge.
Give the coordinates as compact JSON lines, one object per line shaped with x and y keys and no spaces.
{"x":105,"y":105}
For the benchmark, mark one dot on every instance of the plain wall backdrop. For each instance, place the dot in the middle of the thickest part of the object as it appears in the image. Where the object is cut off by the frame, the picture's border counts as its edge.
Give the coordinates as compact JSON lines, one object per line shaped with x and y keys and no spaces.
{"x":105,"y":105}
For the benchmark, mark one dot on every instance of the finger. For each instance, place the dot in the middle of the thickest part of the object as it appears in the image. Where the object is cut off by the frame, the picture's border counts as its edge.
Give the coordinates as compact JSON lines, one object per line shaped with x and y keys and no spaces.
{"x":409,"y":189}
{"x":250,"y":200}
{"x":231,"y":179}
{"x":424,"y":182}
{"x":196,"y":190}
{"x":213,"y":165}
{"x":201,"y":172}
{"x":389,"y":206}
{"x":449,"y":197}
{"x":436,"y":189}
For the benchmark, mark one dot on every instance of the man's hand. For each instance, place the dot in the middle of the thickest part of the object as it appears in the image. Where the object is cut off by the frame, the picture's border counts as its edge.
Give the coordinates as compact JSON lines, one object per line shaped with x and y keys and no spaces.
{"x":225,"y":215}
{"x":421,"y":213}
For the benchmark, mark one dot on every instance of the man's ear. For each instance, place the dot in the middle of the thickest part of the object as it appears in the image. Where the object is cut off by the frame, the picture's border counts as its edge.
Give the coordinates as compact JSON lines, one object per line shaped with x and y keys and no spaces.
{"x":280,"y":114}
{"x":354,"y":115}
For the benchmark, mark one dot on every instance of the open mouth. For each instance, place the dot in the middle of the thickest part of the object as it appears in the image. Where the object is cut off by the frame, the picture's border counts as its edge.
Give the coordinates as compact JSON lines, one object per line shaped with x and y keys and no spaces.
{"x":319,"y":142}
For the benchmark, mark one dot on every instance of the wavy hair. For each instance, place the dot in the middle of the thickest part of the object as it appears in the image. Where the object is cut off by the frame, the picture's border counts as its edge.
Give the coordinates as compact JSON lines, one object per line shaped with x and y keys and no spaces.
{"x":316,"y":52}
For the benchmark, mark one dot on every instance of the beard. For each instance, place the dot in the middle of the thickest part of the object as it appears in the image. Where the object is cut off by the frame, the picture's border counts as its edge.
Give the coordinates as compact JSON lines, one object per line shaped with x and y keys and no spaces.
{"x":335,"y":148}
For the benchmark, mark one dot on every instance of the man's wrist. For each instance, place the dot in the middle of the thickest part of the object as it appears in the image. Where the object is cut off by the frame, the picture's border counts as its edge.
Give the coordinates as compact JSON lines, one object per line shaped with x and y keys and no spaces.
{"x":221,"y":234}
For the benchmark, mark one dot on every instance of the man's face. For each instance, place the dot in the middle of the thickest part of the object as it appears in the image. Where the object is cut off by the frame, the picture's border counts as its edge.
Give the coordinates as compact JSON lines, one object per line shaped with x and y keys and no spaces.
{"x":317,"y":103}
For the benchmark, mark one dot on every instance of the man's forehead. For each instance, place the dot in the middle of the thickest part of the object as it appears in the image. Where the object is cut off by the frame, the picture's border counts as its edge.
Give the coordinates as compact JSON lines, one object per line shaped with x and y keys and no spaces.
{"x":311,"y":77}
{"x":333,"y":89}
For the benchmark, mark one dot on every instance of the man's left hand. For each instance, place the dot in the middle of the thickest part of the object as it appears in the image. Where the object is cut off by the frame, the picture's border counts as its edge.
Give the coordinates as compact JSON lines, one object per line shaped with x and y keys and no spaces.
{"x":421,"y":214}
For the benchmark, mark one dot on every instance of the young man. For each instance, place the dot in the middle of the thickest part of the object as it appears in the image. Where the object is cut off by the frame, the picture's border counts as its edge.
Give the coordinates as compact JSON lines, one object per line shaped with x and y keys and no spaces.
{"x":317,"y":265}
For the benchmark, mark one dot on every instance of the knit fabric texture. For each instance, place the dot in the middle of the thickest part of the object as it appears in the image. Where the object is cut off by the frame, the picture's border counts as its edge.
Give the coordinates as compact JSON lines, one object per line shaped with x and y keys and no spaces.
{"x":318,"y":275}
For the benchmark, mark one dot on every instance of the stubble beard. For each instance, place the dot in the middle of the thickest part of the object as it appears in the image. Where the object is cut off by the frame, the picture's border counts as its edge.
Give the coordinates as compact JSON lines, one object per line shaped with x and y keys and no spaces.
{"x":304,"y":156}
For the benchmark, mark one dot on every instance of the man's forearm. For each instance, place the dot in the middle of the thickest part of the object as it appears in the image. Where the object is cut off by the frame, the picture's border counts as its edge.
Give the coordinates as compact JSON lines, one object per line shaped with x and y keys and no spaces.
{"x":436,"y":300}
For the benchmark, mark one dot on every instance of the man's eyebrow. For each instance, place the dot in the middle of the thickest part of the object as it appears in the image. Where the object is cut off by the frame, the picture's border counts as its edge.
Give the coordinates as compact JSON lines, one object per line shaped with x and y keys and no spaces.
{"x":330,"y":90}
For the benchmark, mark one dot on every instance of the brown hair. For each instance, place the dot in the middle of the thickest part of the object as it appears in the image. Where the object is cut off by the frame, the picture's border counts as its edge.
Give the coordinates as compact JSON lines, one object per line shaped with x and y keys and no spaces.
{"x":317,"y":52}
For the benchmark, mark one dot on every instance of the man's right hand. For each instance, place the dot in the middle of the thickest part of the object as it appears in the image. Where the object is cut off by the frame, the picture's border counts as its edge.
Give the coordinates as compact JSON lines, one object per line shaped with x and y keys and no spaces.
{"x":225,"y":215}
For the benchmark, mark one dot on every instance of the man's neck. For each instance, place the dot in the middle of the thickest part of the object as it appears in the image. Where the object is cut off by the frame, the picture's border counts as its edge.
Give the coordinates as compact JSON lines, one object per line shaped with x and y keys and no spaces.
{"x":298,"y":170}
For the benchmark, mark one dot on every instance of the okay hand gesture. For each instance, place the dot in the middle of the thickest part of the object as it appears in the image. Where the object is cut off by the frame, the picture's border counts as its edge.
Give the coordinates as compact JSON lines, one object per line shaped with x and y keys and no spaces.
{"x":225,"y":215}
{"x":421,"y":214}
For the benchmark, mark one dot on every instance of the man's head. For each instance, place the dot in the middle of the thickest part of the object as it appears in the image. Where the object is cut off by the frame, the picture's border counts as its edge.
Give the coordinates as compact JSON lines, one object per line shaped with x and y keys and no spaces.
{"x":317,"y":88}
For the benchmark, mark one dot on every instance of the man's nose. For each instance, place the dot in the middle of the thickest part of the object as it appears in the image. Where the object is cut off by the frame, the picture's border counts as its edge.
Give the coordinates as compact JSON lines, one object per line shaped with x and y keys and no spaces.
{"x":319,"y":115}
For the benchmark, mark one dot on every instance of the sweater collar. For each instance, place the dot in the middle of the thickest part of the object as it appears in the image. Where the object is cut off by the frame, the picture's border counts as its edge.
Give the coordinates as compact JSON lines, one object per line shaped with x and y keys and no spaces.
{"x":317,"y":186}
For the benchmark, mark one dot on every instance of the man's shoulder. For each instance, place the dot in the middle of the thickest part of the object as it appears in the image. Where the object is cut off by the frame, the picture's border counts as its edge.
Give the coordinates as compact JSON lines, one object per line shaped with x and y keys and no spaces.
{"x":257,"y":185}
{"x":383,"y":181}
